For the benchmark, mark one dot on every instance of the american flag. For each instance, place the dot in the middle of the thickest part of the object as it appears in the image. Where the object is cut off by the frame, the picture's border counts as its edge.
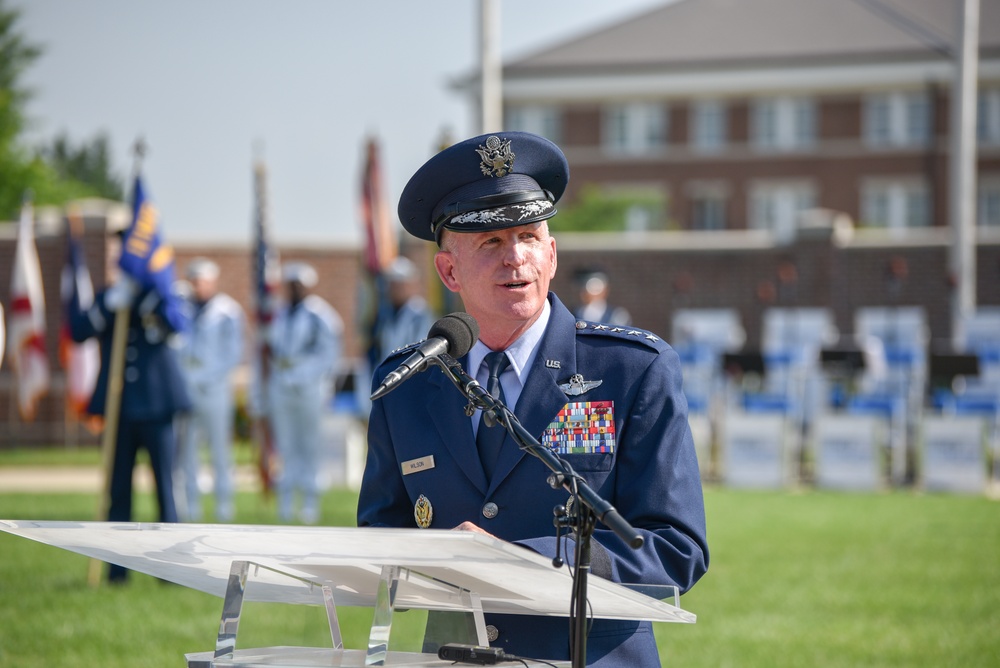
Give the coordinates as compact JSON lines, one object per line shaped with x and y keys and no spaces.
{"x":82,"y":361}
{"x":266,"y":276}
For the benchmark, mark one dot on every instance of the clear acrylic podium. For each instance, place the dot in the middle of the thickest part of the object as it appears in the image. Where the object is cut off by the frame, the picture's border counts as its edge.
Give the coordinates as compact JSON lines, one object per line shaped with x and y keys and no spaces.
{"x":384,"y":569}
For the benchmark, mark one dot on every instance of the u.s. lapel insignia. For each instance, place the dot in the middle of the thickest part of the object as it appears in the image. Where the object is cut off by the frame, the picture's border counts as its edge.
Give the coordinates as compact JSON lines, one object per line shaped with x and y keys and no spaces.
{"x":553,"y":364}
{"x":423,"y":513}
{"x":577,"y":385}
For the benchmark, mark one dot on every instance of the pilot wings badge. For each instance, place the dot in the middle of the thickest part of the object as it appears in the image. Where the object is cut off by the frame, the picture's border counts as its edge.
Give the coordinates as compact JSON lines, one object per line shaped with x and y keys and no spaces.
{"x":577,"y":385}
{"x":497,"y":157}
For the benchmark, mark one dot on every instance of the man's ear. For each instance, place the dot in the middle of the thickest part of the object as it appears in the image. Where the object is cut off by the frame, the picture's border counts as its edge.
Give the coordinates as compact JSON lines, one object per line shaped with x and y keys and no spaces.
{"x":444,"y":263}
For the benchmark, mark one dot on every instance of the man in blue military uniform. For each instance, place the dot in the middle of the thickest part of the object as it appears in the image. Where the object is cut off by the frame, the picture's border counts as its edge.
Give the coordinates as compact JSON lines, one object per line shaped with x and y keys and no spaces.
{"x":152,"y":395}
{"x":486,"y":202}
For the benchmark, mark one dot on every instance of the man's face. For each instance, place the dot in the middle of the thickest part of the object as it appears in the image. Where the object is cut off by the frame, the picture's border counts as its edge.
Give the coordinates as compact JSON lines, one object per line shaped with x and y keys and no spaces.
{"x":295,"y":292}
{"x":502,"y":276}
{"x":203,"y":288}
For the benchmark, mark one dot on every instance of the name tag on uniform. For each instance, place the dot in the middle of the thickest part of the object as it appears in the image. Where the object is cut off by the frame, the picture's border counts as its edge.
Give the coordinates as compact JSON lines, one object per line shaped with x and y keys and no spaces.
{"x":582,"y":428}
{"x":417,"y":465}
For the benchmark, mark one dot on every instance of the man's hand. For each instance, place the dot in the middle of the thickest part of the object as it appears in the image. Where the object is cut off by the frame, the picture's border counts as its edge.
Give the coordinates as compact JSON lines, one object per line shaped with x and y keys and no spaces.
{"x":121,"y":294}
{"x":474,"y":528}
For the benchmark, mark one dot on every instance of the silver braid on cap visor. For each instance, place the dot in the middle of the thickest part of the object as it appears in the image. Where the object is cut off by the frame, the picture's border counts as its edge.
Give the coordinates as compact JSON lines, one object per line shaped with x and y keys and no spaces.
{"x":511,"y":208}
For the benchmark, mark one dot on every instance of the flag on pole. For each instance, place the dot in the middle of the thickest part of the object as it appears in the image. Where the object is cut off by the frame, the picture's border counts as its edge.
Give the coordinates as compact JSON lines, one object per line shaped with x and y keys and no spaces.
{"x":266,"y":276}
{"x":145,"y":257}
{"x":381,"y":249}
{"x":380,"y":238}
{"x":266,"y":269}
{"x":81,"y":361}
{"x":26,"y":348}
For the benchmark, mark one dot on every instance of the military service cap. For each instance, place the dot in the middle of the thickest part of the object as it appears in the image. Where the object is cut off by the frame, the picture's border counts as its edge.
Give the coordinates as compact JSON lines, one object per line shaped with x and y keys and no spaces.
{"x":490,"y":182}
{"x":299,"y":272}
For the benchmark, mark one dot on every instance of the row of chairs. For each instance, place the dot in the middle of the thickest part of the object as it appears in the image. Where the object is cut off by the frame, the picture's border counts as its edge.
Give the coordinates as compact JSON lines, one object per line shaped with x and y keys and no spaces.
{"x":808,"y":389}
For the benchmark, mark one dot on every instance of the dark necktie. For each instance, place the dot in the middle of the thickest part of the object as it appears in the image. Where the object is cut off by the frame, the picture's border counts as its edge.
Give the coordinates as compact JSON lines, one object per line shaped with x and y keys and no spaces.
{"x":489,"y":440}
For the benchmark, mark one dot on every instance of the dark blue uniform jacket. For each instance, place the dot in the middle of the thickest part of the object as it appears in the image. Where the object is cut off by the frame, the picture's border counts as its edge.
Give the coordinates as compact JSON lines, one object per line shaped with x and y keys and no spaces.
{"x":153,"y":387}
{"x":651,"y":477}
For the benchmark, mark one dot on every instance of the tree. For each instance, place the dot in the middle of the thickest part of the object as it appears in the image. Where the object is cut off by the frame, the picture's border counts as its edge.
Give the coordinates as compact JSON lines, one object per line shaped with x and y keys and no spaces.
{"x":88,"y":163}
{"x":598,"y":211}
{"x":21,"y":170}
{"x":15,"y":57}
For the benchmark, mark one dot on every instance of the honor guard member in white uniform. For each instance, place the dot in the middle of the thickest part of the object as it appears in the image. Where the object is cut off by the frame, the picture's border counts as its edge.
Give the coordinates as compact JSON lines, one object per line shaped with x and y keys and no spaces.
{"x":211,"y":349}
{"x":411,"y":316}
{"x":305,"y":344}
{"x":608,"y":399}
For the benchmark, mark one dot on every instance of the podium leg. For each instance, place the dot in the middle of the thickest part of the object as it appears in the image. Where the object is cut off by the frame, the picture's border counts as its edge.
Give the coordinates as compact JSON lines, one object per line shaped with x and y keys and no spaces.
{"x":385,"y":601}
{"x":331,"y":618}
{"x":232,"y":608}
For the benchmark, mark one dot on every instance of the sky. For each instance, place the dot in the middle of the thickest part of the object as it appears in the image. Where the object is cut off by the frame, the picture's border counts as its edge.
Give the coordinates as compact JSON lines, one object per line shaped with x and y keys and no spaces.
{"x":209,"y":83}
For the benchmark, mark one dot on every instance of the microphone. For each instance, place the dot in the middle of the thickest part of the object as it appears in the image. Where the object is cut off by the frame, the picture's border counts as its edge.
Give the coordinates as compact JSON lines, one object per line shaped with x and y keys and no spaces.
{"x":454,"y":334}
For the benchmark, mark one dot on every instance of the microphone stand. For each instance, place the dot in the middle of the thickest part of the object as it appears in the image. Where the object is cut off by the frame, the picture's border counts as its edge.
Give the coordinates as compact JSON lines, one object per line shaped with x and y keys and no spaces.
{"x":582,"y":517}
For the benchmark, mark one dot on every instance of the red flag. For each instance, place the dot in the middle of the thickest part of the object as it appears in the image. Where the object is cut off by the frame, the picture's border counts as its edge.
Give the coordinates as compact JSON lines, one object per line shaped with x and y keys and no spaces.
{"x":82,"y":361}
{"x":380,"y":238}
{"x":381,"y":249}
{"x":26,"y":348}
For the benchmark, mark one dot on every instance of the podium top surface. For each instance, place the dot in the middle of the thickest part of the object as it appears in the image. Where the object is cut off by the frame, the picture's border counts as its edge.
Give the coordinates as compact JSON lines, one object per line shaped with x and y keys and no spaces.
{"x":508,"y":578}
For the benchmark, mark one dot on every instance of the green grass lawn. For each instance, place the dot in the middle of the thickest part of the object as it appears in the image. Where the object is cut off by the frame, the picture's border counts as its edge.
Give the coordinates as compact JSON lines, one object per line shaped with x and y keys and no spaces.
{"x":812,"y":579}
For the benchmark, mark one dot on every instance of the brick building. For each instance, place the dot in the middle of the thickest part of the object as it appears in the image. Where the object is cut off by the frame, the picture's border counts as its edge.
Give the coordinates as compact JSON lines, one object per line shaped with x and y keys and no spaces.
{"x":654,"y":274}
{"x":740,"y":115}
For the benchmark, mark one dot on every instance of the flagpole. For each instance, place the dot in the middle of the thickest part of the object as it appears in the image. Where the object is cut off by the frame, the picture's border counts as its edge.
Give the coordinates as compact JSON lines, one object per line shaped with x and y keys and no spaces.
{"x":112,"y":405}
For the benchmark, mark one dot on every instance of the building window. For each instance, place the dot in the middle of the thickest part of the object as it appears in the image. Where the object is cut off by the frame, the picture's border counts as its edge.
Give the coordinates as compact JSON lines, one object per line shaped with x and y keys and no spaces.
{"x":708,"y":123}
{"x":898,"y":118}
{"x":988,"y":116}
{"x":988,"y":204}
{"x":537,"y":119}
{"x":895,"y":204}
{"x":776,"y":206}
{"x":637,"y":128}
{"x":783,"y":123}
{"x":709,"y":201}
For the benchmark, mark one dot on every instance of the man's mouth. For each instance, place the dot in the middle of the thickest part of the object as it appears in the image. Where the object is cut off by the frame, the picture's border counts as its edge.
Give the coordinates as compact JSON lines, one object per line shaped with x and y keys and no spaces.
{"x":515,"y":284}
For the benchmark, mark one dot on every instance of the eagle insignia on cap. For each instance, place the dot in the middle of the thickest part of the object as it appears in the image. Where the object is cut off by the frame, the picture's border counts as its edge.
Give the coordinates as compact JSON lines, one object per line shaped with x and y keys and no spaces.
{"x":498,"y":159}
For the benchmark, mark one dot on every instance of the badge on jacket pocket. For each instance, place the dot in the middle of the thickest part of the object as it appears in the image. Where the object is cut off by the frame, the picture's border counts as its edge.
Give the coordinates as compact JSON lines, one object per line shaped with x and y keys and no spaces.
{"x":582,"y":428}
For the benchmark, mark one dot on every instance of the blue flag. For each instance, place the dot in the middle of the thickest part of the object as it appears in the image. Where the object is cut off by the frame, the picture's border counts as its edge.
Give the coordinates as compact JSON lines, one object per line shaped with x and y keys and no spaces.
{"x":145,"y":257}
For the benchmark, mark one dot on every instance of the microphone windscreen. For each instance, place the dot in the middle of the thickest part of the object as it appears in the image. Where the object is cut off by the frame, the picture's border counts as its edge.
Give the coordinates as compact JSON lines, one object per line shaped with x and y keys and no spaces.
{"x":459,"y":329}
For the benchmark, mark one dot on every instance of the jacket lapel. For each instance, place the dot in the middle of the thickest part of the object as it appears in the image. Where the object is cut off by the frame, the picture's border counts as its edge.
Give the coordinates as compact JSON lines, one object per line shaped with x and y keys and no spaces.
{"x":446,"y":406}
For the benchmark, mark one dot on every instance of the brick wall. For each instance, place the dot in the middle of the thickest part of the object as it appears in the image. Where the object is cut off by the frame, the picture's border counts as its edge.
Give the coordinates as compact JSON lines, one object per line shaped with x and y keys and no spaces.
{"x":651,"y":276}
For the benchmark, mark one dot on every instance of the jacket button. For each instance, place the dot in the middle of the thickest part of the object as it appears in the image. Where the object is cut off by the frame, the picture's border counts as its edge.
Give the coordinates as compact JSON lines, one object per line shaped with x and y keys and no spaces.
{"x":131,"y":354}
{"x":131,"y":374}
{"x":492,"y":633}
{"x":490,"y":510}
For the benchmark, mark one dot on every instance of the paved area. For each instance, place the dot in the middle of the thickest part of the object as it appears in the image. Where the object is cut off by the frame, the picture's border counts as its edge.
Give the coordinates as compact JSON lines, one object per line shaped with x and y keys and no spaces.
{"x":87,"y":479}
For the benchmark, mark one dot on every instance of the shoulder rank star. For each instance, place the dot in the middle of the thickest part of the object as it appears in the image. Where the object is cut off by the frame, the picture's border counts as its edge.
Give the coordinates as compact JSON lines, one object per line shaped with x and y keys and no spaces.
{"x":577,"y":385}
{"x":423,"y":513}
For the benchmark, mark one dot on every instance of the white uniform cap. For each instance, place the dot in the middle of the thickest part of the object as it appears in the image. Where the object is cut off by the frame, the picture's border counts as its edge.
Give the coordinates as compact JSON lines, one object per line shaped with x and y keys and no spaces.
{"x":202,"y":267}
{"x":401,"y":270}
{"x":299,"y":272}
